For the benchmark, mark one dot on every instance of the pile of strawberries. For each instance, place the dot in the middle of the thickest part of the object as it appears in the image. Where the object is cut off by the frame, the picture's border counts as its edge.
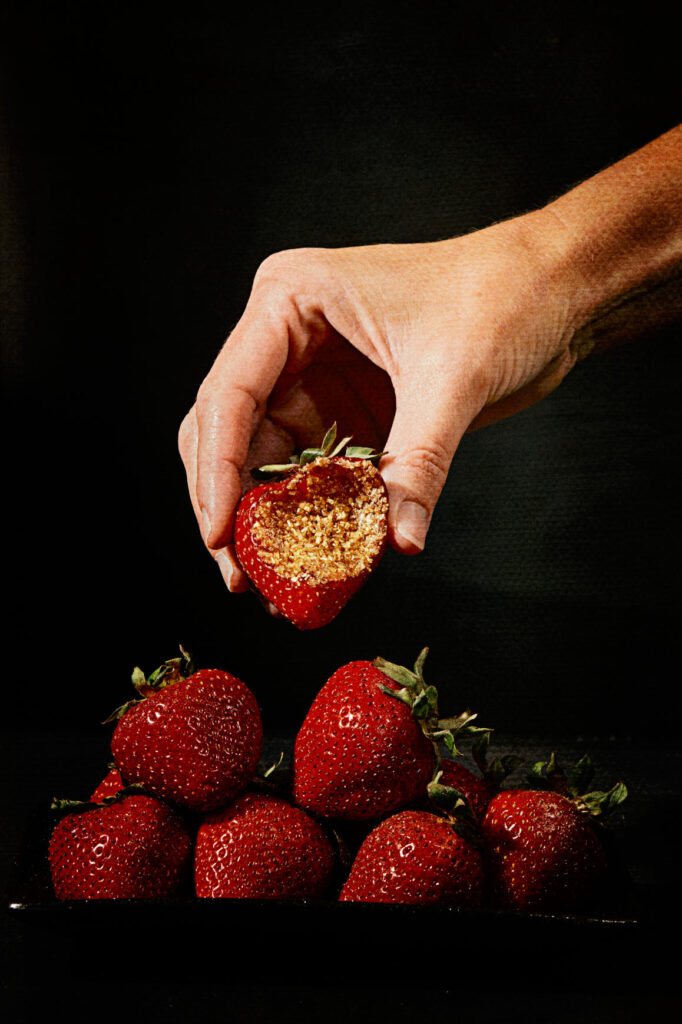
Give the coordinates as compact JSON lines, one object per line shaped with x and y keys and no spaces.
{"x":188,"y":802}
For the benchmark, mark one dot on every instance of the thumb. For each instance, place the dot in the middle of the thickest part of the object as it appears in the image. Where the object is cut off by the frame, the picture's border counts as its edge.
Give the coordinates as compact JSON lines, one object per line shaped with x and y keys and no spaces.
{"x":426,"y":431}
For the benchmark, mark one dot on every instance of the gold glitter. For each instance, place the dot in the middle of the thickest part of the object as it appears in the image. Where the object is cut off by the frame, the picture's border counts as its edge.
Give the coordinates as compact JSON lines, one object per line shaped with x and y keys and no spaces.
{"x":328,"y":522}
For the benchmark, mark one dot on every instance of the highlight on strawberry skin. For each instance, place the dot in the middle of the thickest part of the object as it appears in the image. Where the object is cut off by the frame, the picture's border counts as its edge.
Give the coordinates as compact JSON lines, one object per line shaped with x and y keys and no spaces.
{"x":310,"y":535}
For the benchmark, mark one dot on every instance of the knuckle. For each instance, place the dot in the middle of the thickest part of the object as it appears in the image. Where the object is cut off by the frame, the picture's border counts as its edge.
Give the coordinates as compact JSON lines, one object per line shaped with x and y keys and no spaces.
{"x":428,"y":464}
{"x":186,"y":433}
{"x":289,"y":269}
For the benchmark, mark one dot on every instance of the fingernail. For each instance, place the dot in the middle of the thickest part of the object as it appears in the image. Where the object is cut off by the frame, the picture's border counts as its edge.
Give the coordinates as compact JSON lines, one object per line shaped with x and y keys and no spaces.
{"x":205,"y":524}
{"x":413,"y":523}
{"x":225,"y":566}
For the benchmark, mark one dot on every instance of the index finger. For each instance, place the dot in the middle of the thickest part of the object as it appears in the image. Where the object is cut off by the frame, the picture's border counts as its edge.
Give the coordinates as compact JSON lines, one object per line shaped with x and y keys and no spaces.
{"x":230,"y":408}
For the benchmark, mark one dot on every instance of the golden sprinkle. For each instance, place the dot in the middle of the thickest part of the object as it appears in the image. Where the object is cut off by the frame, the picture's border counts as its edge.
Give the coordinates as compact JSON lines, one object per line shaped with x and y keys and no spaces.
{"x":324,"y":525}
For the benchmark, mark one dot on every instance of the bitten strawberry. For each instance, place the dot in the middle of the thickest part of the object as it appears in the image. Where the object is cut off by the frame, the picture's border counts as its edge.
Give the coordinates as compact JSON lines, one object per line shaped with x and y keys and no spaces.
{"x":542,"y":851}
{"x":309,"y":539}
{"x":368,"y":745}
{"x":260,"y":847}
{"x":133,"y":846}
{"x":416,"y":857}
{"x":192,"y":740}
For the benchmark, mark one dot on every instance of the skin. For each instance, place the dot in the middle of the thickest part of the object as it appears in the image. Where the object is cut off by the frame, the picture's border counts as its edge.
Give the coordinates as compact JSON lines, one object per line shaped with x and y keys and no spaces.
{"x":410,"y":346}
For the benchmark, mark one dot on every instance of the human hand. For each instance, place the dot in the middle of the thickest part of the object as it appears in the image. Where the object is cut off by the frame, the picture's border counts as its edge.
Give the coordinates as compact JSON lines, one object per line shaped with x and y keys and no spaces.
{"x":406,"y":346}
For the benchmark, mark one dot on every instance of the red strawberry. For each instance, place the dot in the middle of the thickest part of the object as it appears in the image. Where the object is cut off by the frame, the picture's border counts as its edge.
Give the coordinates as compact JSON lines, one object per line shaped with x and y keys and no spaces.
{"x":310,"y":539}
{"x":260,"y":847}
{"x":365,"y":748}
{"x":194,"y":741}
{"x":475,"y":789}
{"x":134,"y":846}
{"x":542,"y":850}
{"x":416,"y":857}
{"x":111,"y":784}
{"x":453,"y":780}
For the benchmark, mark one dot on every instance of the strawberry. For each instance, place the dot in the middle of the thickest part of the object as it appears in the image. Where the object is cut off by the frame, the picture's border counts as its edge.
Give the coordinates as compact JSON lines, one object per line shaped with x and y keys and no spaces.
{"x":192,"y":740}
{"x":261,"y":847}
{"x":472,"y":787}
{"x":368,"y":745}
{"x":453,"y":780}
{"x":111,"y":784}
{"x":416,"y":857}
{"x":129,"y":846}
{"x":309,"y":539}
{"x":543,"y":852}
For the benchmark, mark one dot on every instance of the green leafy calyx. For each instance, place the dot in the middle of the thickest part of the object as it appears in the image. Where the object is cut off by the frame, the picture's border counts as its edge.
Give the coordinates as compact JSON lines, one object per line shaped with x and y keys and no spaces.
{"x":329,"y":448}
{"x":598,"y":804}
{"x":77,"y":806}
{"x":172,"y":671}
{"x":422,"y":699}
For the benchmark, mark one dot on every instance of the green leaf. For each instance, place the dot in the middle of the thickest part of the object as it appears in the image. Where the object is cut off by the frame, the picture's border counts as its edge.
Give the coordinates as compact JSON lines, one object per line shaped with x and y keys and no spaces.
{"x":444,"y":797}
{"x":268,"y":472}
{"x":404,"y":695}
{"x":357,"y":452}
{"x":449,"y":742}
{"x":363,"y":453}
{"x":310,"y":454}
{"x":273,"y":767}
{"x":458,"y":723}
{"x":510,"y":762}
{"x":329,"y":439}
{"x":398,"y":673}
{"x":581,"y":776}
{"x":339,"y":447}
{"x":600,"y":804}
{"x":536,"y":776}
{"x":419,"y":663}
{"x":120,"y":712}
{"x":425,"y":703}
{"x":139,"y":679}
{"x":479,"y":749}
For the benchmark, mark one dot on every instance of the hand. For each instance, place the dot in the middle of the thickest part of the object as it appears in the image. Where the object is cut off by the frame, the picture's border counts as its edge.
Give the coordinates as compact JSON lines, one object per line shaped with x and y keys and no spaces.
{"x":410,"y":346}
{"x":406,"y":346}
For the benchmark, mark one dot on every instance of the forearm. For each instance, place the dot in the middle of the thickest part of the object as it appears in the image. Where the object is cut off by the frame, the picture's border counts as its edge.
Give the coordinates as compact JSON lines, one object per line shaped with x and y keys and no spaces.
{"x":620,"y":232}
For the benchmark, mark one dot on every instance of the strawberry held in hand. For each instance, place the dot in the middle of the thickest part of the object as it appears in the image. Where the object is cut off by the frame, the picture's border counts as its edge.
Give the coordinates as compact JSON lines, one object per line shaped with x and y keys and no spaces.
{"x":543,"y":852}
{"x":368,"y":745}
{"x":129,"y":846}
{"x":260,"y":847}
{"x":416,"y":857}
{"x":310,"y":538}
{"x":193,"y":740}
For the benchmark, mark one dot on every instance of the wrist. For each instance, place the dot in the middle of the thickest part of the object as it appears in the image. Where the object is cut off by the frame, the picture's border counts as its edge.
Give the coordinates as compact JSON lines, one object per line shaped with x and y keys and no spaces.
{"x":618,"y":238}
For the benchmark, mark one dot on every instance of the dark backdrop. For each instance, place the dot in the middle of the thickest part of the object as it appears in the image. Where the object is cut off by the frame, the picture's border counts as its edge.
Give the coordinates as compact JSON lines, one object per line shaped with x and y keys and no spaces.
{"x":151,"y":161}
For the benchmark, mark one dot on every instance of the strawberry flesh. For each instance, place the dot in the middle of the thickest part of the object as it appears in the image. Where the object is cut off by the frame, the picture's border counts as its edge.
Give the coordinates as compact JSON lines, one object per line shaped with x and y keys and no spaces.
{"x":310,"y":541}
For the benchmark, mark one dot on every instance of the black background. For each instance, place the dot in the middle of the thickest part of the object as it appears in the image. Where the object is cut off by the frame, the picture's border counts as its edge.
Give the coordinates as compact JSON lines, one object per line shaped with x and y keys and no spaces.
{"x":151,"y":161}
